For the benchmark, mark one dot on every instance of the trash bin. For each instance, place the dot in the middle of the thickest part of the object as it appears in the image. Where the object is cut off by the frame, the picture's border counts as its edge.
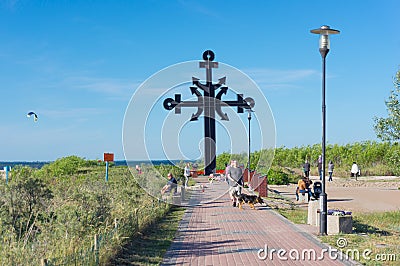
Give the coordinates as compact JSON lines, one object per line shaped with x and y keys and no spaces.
{"x":317,"y":188}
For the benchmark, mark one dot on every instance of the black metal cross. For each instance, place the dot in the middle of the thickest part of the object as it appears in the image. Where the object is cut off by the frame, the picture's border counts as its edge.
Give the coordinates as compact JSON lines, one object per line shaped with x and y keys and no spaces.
{"x":209,"y":103}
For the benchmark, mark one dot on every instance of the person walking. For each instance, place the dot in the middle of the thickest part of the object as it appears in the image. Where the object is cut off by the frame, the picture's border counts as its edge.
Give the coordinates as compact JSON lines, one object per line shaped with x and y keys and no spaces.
{"x":227,"y":167}
{"x":235,"y":176}
{"x":331,"y":166}
{"x":306,"y":168}
{"x":320,"y":167}
{"x":354,"y":170}
{"x":186,"y":173}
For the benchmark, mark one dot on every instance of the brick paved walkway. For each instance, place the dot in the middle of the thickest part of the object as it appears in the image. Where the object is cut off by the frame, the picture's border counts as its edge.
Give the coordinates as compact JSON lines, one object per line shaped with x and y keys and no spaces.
{"x":215,"y":233}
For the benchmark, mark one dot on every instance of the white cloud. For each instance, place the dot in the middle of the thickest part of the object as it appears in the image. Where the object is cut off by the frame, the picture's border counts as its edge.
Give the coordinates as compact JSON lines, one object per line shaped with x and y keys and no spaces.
{"x":71,"y":112}
{"x":110,"y":86}
{"x":273,"y":78}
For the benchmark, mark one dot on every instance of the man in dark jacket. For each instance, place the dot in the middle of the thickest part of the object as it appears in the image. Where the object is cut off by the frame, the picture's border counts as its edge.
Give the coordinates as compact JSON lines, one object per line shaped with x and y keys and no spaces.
{"x":306,"y":168}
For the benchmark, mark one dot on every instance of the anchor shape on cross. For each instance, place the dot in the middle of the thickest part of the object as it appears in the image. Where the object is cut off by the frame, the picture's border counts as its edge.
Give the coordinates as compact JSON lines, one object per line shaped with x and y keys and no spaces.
{"x":209,"y":103}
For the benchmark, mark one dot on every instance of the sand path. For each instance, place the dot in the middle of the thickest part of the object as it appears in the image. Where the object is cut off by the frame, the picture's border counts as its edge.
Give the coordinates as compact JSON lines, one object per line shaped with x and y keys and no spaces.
{"x":368,"y":194}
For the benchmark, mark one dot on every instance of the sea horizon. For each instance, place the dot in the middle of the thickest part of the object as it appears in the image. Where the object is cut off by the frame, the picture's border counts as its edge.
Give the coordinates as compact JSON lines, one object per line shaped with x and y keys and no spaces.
{"x":40,"y":164}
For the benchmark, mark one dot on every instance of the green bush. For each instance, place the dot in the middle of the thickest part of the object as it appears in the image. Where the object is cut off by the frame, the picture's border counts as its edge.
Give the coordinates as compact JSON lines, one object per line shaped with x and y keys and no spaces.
{"x":258,"y":159}
{"x":177,"y":171}
{"x":24,"y":203}
{"x":55,"y":213}
{"x":375,"y":158}
{"x":276,"y":177}
{"x":64,"y":166}
{"x":392,"y":158}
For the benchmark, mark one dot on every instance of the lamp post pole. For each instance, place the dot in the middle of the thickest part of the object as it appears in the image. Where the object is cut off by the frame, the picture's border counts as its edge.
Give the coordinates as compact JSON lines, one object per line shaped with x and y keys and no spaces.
{"x":324,"y":197}
{"x":324,"y":46}
{"x":248,"y":161}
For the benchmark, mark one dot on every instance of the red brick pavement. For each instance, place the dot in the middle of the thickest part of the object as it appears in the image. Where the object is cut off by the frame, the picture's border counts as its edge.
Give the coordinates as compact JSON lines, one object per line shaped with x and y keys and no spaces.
{"x":215,"y":233}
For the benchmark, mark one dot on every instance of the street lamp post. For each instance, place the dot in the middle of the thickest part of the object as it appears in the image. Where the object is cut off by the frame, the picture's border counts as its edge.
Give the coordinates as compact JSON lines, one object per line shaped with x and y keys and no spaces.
{"x":324,"y":47}
{"x":248,"y":161}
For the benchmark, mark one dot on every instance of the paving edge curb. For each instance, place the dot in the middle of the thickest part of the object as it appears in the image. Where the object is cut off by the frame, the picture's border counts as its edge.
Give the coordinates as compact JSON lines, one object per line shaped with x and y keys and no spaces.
{"x":171,"y":255}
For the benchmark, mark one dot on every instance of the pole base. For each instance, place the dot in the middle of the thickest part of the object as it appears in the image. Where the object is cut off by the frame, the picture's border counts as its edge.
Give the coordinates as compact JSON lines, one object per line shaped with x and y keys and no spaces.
{"x":323,"y":225}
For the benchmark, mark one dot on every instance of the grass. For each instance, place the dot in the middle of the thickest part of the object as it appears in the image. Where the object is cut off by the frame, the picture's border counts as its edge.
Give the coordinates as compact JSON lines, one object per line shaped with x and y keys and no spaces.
{"x":376,"y":233}
{"x":149,"y":246}
{"x":287,"y":208}
{"x":296,"y":215}
{"x":70,"y":211}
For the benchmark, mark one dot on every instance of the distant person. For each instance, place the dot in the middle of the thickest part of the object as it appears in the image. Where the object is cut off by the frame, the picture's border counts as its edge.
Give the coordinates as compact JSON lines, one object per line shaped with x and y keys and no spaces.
{"x":171,"y":185}
{"x":306,"y":168}
{"x":331,"y":166}
{"x":186,"y":173}
{"x":227,"y":167}
{"x":138,"y":169}
{"x":354,"y":170}
{"x":320,"y":167}
{"x":235,"y":176}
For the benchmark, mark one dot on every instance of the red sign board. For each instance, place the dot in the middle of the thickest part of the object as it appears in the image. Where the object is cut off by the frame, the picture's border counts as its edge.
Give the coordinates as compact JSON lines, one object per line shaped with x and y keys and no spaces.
{"x":108,"y":157}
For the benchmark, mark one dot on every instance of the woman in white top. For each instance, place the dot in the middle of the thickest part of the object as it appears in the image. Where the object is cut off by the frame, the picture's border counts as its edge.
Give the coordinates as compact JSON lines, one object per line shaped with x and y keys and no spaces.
{"x":354,"y":170}
{"x":186,"y":173}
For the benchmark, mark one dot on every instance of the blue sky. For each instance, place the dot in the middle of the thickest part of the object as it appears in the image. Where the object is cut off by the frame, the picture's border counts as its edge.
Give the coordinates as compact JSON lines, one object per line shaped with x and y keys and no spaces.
{"x":77,"y":64}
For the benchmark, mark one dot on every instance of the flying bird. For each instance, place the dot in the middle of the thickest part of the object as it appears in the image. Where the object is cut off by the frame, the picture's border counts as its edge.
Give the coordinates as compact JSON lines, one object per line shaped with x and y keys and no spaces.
{"x":35,"y":117}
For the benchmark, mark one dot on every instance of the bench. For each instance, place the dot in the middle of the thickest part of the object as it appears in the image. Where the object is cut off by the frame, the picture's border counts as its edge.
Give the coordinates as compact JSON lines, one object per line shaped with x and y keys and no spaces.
{"x":179,"y":196}
{"x":303,"y":196}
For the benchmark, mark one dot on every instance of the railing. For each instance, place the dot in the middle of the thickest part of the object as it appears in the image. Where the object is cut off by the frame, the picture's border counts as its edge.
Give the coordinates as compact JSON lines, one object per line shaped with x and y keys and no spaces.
{"x":258,"y":182}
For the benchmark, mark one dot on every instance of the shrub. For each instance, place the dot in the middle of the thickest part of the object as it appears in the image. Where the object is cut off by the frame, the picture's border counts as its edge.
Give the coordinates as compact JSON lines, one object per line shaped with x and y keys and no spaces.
{"x":24,"y":202}
{"x":57,"y":218}
{"x":64,"y":166}
{"x":393,"y":160}
{"x":277,"y":177}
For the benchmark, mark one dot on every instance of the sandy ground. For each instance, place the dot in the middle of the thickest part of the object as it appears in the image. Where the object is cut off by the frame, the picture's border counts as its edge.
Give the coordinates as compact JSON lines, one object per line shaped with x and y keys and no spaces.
{"x":368,"y":194}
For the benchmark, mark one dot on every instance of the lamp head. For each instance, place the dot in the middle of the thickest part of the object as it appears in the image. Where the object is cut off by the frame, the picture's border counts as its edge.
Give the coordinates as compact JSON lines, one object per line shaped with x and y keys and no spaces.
{"x":324,"y":33}
{"x":249,"y":113}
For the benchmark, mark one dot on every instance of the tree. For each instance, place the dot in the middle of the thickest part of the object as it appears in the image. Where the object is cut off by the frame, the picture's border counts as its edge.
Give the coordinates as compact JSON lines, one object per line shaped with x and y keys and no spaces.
{"x":24,"y":202}
{"x":388,"y":129}
{"x":66,"y":166}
